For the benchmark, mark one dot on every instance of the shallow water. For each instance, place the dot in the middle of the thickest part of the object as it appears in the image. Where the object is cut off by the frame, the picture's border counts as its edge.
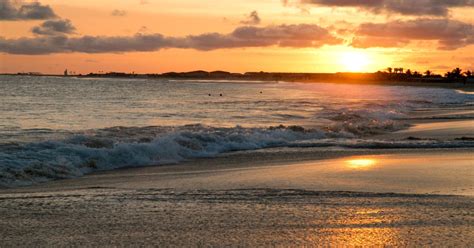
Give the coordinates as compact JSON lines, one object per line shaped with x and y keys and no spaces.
{"x":55,"y":127}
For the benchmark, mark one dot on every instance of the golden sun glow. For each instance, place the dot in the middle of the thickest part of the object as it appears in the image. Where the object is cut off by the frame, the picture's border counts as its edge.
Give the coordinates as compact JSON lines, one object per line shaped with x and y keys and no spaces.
{"x":361,"y":163}
{"x":355,"y":61}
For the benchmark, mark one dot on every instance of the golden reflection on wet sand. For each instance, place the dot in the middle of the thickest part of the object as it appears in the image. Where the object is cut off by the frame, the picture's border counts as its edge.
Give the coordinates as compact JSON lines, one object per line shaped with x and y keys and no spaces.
{"x":364,"y":226}
{"x":361,"y":163}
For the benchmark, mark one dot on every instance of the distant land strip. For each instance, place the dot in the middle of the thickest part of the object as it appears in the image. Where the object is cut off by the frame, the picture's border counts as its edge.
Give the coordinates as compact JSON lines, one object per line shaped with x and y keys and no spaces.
{"x":453,"y":78}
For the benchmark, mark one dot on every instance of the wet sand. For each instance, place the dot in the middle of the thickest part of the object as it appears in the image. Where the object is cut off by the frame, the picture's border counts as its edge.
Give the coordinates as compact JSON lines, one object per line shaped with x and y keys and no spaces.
{"x":433,"y":171}
{"x":442,"y":124}
{"x":444,"y":130}
{"x":217,"y":218}
{"x":255,"y":199}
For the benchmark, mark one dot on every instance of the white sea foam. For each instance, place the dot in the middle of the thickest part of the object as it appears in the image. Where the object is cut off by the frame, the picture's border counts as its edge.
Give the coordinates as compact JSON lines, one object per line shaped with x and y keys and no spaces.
{"x":24,"y":164}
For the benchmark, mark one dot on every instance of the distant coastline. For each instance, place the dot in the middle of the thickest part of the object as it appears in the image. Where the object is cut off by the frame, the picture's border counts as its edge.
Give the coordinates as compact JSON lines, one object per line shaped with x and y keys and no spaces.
{"x":383,"y":78}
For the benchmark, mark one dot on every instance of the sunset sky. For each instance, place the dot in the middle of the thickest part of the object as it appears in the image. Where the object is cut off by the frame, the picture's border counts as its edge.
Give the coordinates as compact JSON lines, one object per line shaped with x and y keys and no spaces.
{"x":148,"y":36}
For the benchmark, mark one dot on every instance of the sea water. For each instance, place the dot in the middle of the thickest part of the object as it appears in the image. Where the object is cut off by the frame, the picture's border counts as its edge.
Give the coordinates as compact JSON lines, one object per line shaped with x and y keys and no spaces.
{"x":64,"y":127}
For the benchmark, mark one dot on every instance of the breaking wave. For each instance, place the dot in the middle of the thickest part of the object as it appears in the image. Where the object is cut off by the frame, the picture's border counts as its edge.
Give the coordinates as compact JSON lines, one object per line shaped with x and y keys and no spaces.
{"x":112,"y":148}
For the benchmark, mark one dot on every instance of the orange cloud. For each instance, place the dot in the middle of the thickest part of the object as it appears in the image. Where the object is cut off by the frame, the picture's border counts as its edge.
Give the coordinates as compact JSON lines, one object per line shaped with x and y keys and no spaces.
{"x":450,"y":34}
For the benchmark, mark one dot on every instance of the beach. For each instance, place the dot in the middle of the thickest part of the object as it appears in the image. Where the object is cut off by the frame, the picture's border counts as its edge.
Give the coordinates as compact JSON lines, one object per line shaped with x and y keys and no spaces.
{"x":277,"y":197}
{"x":356,"y":171}
{"x":404,"y":198}
{"x":254,"y":217}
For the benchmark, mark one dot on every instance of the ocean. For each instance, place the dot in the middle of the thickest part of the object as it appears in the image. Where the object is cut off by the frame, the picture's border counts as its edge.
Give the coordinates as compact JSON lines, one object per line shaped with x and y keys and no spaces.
{"x":56,"y":127}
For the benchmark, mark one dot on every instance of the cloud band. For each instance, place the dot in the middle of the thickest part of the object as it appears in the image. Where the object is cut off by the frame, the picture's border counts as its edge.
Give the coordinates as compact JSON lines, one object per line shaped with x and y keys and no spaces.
{"x":301,"y":35}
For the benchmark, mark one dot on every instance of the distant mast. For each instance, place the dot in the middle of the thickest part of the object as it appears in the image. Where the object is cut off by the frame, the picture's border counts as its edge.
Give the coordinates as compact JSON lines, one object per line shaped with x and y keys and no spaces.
{"x":65,"y":73}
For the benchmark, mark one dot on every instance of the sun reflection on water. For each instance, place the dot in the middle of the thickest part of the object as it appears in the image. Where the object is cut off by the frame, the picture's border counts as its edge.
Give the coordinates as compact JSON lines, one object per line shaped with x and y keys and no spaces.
{"x":361,"y":163}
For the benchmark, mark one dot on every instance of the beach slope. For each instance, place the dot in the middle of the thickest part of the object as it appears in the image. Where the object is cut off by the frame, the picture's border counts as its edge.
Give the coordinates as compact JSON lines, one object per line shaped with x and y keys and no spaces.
{"x":396,"y":197}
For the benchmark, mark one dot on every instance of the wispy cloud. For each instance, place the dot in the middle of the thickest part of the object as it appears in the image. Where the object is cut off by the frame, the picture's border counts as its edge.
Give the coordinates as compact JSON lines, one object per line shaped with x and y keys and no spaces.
{"x":252,"y":19}
{"x":404,"y":7}
{"x":118,"y":12}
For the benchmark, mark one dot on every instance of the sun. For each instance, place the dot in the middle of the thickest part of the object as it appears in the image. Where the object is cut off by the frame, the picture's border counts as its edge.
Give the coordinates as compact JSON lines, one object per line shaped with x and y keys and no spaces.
{"x":355,"y":61}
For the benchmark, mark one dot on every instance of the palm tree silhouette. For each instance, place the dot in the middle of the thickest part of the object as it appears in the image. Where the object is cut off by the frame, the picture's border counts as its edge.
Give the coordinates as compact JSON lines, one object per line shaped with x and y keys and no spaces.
{"x":457,"y":73}
{"x":454,"y":74}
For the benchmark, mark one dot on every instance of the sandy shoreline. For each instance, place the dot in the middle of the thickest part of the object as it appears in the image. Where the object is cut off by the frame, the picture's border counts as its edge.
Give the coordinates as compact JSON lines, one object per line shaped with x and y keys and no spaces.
{"x":272,"y":197}
{"x":263,"y":200}
{"x":318,"y":169}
